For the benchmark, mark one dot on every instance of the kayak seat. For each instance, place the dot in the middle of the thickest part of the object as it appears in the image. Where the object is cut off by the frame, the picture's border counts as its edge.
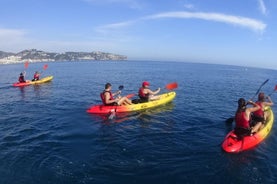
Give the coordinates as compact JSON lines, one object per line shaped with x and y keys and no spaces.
{"x":242,"y":132}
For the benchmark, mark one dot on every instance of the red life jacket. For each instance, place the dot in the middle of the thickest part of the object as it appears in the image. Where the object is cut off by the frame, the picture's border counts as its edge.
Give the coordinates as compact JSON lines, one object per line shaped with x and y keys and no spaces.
{"x":142,"y":95}
{"x":103,"y":96}
{"x":36,"y":76}
{"x":260,"y":112}
{"x":241,"y":121}
{"x":21,"y":79}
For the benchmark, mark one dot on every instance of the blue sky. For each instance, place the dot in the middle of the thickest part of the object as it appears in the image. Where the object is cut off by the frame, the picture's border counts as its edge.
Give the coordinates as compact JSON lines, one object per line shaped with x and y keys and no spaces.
{"x":207,"y":31}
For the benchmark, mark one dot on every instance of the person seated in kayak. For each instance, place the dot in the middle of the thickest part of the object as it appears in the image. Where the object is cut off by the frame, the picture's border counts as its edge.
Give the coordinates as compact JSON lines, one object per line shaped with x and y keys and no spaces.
{"x":108,"y":98}
{"x":243,"y":118}
{"x":21,"y":78}
{"x":145,"y":94}
{"x":260,"y":115}
{"x":36,"y":76}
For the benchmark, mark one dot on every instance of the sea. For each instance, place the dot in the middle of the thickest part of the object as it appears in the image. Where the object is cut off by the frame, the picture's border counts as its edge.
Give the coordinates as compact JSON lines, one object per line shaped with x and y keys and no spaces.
{"x":46,"y":135}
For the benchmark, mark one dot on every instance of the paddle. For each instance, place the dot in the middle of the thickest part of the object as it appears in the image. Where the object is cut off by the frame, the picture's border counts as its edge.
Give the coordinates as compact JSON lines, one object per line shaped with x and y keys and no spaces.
{"x":169,"y":86}
{"x":260,"y":88}
{"x":26,"y":64}
{"x":112,"y":114}
{"x":231,"y":119}
{"x":44,"y":68}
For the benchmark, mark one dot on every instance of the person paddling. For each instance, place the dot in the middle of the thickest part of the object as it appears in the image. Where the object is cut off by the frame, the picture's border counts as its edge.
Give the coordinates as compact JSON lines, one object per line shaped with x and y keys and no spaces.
{"x":108,"y":98}
{"x":21,"y":77}
{"x":36,"y":76}
{"x":261,"y":115}
{"x":243,"y":118}
{"x":145,"y":94}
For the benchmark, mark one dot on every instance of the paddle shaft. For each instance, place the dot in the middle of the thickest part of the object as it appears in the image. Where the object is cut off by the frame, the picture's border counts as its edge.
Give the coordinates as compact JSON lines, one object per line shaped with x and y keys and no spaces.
{"x":231,"y":119}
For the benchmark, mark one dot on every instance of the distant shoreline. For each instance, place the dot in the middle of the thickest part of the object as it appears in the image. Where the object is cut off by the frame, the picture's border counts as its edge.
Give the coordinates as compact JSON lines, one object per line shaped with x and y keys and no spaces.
{"x":34,"y":56}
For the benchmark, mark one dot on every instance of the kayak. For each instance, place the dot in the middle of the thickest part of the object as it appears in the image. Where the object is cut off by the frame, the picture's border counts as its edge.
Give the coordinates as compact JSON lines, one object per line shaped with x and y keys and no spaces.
{"x":103,"y":109}
{"x":232,"y":144}
{"x":28,"y":82}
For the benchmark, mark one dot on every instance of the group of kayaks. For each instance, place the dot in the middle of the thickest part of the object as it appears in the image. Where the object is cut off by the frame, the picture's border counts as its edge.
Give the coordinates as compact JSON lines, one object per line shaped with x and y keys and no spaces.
{"x":232,"y":143}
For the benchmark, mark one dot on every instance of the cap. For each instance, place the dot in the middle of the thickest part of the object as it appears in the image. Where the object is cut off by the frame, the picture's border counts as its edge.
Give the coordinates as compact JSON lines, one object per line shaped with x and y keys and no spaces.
{"x":145,"y":83}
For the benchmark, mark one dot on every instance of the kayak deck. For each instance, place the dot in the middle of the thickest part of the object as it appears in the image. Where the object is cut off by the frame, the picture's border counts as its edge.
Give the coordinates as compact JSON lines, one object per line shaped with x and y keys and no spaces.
{"x":28,"y":82}
{"x":232,"y":144}
{"x":103,"y":109}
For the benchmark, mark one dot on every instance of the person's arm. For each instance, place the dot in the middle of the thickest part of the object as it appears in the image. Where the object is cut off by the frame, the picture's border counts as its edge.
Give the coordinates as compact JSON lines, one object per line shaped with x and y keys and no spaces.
{"x":116,"y":93}
{"x":153,"y":92}
{"x":269,"y":102}
{"x":254,"y":108}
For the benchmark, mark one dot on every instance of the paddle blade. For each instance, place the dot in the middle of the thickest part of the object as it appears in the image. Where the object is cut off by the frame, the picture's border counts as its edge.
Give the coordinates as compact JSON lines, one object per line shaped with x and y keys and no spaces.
{"x":26,"y":64}
{"x":229,"y":120}
{"x":45,"y":66}
{"x":171,"y":86}
{"x":120,"y":87}
{"x":130,"y":95}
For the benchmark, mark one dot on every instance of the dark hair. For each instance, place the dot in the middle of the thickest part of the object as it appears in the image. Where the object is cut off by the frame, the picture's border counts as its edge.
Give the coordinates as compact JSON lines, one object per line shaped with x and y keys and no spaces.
{"x":261,"y":97}
{"x":241,"y":105}
{"x":107,"y":85}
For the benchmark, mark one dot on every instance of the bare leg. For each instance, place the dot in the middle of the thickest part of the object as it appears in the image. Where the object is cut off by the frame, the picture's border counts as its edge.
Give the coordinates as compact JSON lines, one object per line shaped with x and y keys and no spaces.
{"x":256,"y":127}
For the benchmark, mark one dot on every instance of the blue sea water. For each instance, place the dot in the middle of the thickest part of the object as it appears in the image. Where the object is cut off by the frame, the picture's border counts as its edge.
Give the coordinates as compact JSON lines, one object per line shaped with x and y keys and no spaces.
{"x":46,"y":136}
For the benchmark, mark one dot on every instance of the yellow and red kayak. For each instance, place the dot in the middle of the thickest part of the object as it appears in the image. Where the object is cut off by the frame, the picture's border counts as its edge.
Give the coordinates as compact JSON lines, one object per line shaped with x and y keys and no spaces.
{"x":28,"y":82}
{"x":103,"y":109}
{"x":232,"y":144}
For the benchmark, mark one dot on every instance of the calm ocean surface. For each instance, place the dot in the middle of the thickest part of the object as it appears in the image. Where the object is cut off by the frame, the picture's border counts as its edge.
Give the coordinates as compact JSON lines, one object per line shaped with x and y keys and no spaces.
{"x":46,"y":136}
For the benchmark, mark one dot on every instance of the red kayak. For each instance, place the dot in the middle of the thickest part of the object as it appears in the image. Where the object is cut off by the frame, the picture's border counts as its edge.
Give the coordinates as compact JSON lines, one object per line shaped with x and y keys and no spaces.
{"x":233,"y":144}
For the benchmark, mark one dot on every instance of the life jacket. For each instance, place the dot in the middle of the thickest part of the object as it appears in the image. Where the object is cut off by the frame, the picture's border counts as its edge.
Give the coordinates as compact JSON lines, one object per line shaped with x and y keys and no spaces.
{"x":36,"y":76}
{"x":142,"y":95}
{"x":260,"y":112}
{"x":21,"y":79}
{"x":103,"y":96}
{"x":241,"y":121}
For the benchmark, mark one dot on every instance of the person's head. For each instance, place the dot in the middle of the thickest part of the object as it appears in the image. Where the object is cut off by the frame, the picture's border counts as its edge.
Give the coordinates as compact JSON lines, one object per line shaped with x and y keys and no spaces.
{"x":21,"y":74}
{"x":261,"y":97}
{"x":241,"y":103}
{"x":107,"y":86}
{"x":145,"y":84}
{"x":36,"y":72}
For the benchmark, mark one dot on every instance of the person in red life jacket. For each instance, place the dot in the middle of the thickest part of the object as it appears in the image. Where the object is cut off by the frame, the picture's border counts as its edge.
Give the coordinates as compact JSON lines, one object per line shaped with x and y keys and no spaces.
{"x":261,"y":115}
{"x":243,"y":118}
{"x":21,"y":78}
{"x":145,"y":94}
{"x":108,"y":98}
{"x":36,"y":76}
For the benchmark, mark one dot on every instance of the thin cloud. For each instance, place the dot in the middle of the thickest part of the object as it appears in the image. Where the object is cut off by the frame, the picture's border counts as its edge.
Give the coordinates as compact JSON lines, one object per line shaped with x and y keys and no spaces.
{"x":11,"y":33}
{"x":115,"y":26}
{"x":249,"y":23}
{"x":262,"y":7}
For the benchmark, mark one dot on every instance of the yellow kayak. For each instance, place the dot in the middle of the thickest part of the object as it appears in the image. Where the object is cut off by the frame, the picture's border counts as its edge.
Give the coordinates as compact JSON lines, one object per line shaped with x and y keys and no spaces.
{"x":103,"y":109}
{"x":28,"y":82}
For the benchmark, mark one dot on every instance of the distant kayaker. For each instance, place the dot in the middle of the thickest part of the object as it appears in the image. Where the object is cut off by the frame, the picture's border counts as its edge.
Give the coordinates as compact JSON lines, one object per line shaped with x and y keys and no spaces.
{"x":21,"y":77}
{"x":261,"y":115}
{"x":243,"y":117}
{"x":36,"y":76}
{"x":108,"y":98}
{"x":145,"y":94}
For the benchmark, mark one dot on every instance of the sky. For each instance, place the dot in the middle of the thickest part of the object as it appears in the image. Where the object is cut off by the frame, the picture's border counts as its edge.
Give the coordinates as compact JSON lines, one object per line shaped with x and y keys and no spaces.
{"x":231,"y":32}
